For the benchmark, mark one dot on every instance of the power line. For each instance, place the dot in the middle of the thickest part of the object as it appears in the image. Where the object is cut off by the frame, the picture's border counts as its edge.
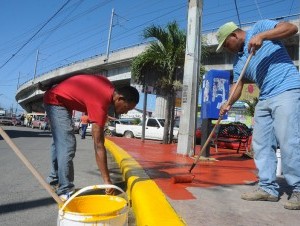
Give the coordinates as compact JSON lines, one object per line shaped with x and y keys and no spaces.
{"x":124,"y":34}
{"x":237,"y":12}
{"x":291,"y":7}
{"x":34,"y":35}
{"x":258,"y":9}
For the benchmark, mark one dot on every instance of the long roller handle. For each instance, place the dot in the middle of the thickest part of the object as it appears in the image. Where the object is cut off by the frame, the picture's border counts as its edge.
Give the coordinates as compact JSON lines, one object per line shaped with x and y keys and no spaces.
{"x":35,"y":173}
{"x":221,"y":116}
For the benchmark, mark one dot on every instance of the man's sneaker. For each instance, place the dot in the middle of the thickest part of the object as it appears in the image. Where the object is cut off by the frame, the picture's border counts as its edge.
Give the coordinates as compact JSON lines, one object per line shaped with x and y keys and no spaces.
{"x":259,"y":195}
{"x":66,"y":196}
{"x":294,"y":202}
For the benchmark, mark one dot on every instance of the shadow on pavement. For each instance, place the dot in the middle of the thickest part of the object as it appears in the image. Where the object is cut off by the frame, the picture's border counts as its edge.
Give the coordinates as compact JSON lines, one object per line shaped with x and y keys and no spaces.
{"x":18,"y":206}
{"x":17,"y":133}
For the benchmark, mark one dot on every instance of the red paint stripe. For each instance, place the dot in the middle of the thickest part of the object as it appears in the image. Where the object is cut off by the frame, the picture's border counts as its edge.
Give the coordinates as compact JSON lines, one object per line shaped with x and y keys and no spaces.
{"x":161,"y":162}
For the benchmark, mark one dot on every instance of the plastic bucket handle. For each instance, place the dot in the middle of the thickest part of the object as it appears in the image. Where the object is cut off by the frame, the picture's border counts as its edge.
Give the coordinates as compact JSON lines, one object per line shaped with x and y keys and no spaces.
{"x":93,"y":187}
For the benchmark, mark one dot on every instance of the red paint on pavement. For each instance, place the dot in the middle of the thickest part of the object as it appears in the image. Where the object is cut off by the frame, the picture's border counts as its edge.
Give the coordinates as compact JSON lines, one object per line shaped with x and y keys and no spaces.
{"x":161,"y":162}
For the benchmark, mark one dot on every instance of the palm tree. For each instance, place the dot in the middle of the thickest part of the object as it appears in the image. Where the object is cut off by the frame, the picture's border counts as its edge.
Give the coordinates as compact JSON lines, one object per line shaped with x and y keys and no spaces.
{"x":161,"y":66}
{"x":160,"y":61}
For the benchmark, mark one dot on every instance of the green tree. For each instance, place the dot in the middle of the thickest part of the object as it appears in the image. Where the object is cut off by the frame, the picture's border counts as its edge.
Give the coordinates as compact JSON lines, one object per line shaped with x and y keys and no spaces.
{"x":161,"y":66}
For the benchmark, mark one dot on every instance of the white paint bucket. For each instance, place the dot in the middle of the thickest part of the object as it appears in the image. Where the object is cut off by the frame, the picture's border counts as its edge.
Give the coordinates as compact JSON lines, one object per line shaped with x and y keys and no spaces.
{"x":96,"y":210}
{"x":278,"y":170}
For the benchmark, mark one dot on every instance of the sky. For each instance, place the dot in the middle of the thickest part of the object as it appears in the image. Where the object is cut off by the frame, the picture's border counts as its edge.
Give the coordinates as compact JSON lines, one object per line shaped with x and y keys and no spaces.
{"x":38,"y":36}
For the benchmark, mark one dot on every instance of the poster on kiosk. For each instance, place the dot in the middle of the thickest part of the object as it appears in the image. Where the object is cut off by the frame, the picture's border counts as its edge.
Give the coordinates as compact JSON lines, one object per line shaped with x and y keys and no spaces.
{"x":215,"y":91}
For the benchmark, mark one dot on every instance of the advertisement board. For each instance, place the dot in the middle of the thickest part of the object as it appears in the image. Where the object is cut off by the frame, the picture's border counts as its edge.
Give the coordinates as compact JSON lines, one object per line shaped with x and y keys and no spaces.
{"x":215,"y":91}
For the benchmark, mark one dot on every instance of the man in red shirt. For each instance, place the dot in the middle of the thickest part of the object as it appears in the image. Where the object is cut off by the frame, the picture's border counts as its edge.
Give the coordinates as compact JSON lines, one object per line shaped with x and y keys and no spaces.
{"x":85,"y":93}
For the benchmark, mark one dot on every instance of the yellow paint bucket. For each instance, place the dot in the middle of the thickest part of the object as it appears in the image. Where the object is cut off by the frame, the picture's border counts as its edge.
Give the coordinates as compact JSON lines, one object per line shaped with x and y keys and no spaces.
{"x":94,"y":210}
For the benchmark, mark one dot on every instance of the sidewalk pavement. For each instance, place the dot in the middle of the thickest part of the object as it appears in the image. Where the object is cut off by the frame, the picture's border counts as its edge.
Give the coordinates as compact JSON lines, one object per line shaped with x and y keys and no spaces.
{"x":213,"y":197}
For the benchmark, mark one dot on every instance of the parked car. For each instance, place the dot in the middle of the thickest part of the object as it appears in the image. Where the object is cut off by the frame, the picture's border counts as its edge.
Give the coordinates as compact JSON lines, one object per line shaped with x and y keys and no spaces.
{"x":76,"y":125}
{"x":17,"y":121}
{"x":110,"y":129}
{"x":30,"y":117}
{"x":38,"y":122}
{"x":154,"y":129}
{"x":6,"y":120}
{"x":111,"y":126}
{"x":45,"y":125}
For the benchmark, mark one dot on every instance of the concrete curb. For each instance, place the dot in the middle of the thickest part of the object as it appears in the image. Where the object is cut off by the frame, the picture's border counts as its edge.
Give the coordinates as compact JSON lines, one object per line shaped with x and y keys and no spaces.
{"x":149,"y":203}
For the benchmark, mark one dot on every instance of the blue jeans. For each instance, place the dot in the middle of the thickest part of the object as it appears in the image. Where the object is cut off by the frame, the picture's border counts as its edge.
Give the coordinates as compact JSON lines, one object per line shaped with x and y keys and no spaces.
{"x":277,"y":123}
{"x":62,"y":149}
{"x":83,"y":127}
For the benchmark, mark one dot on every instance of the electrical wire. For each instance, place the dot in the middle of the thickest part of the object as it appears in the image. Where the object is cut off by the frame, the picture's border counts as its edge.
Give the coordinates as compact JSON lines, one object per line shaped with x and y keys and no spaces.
{"x":237,"y":12}
{"x":121,"y":35}
{"x":28,"y":41}
{"x":258,"y":9}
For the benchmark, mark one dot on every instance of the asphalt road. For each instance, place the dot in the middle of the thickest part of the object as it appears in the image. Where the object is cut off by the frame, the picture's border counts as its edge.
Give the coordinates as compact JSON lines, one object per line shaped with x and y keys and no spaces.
{"x":23,"y":201}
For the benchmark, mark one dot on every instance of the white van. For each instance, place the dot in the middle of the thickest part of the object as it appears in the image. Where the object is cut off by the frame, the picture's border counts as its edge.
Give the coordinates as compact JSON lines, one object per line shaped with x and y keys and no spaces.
{"x":35,"y":116}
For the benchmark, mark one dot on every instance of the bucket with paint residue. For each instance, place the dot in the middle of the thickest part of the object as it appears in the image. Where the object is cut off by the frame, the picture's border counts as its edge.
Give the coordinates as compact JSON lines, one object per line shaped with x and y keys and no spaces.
{"x":96,"y":210}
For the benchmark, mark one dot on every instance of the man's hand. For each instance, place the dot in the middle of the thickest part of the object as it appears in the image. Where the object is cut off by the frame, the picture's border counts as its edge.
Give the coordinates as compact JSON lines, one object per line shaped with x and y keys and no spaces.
{"x":255,"y":43}
{"x":225,"y":108}
{"x":110,"y":191}
{"x":281,"y":31}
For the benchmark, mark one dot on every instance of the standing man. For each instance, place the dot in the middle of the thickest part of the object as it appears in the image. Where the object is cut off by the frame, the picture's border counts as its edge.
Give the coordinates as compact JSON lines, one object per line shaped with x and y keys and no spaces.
{"x":85,"y":93}
{"x":84,"y":122}
{"x":277,"y":114}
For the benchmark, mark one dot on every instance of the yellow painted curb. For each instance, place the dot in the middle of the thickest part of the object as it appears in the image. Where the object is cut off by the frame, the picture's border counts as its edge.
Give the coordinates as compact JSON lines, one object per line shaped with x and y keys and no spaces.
{"x":149,"y":203}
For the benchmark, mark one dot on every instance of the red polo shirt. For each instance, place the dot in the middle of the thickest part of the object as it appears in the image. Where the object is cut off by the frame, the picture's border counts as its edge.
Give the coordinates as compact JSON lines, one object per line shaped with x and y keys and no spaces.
{"x":86,"y":93}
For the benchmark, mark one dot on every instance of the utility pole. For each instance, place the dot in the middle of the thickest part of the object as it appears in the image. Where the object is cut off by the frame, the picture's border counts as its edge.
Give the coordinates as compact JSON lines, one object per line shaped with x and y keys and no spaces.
{"x":17,"y":89}
{"x":18,"y":81}
{"x":109,"y":34}
{"x":145,"y":87}
{"x":186,"y":139}
{"x":35,"y":66}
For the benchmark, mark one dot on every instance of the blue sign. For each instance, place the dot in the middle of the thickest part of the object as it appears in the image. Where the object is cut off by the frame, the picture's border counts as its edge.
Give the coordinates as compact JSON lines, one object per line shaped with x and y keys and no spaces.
{"x":215,"y":91}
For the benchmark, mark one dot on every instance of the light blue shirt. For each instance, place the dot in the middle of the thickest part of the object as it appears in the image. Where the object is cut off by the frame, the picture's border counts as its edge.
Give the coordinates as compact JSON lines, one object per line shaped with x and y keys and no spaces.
{"x":271,"y":68}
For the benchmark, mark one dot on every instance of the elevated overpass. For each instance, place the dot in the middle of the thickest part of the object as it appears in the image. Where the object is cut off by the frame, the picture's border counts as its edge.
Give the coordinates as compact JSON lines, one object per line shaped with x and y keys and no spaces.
{"x":116,"y":68}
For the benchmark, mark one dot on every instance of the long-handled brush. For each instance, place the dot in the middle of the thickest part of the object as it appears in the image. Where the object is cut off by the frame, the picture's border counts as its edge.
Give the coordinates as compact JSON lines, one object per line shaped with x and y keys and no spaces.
{"x":189,"y":178}
{"x":35,"y":173}
{"x":221,"y":116}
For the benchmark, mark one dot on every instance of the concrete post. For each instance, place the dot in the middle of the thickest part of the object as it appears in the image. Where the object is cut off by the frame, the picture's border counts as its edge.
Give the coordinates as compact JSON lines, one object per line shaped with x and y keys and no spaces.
{"x":186,"y":139}
{"x":109,"y":33}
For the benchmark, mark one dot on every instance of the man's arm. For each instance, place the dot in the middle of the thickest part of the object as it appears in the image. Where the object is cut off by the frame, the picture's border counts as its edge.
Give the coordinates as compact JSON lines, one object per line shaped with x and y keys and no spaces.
{"x":235,"y":96}
{"x":281,"y":31}
{"x":100,"y":154}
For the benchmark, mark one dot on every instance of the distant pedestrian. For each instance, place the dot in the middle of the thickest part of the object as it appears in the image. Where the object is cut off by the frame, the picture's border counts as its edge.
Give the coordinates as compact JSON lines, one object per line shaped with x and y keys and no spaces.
{"x":29,"y":120}
{"x":46,"y":123}
{"x":84,"y":122}
{"x":22,"y":119}
{"x":85,"y":93}
{"x":277,"y":114}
